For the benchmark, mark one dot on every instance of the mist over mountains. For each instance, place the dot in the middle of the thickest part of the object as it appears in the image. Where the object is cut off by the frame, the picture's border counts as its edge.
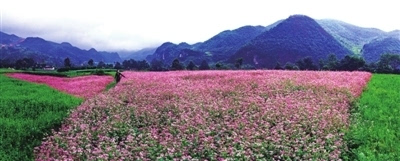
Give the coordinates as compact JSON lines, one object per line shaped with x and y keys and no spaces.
{"x":284,"y":41}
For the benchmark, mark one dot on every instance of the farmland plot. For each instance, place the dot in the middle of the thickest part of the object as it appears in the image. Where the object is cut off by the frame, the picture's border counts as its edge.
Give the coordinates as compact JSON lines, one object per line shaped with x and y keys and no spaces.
{"x":212,"y":115}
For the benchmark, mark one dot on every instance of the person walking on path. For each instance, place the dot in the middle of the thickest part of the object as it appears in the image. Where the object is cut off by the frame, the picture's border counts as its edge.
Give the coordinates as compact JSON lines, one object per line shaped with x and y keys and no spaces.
{"x":118,"y":76}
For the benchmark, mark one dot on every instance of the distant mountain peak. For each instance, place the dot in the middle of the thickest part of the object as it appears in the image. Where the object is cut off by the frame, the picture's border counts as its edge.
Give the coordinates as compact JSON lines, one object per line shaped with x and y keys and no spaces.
{"x":9,"y":40}
{"x":296,"y":37}
{"x":92,"y":50}
{"x":66,"y":44}
{"x":34,"y":40}
{"x":299,"y":21}
{"x":184,"y":45}
{"x":296,"y":16}
{"x":167,"y":44}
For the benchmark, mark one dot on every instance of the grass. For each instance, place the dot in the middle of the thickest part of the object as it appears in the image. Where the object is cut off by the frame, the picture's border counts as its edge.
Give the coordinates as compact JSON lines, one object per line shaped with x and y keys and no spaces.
{"x":375,"y":130}
{"x":27,"y":112}
{"x":73,"y":73}
{"x":5,"y":70}
{"x":111,"y":85}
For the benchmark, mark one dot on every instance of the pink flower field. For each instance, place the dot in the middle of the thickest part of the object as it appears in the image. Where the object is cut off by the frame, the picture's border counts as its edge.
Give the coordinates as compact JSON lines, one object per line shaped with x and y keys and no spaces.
{"x":211,"y":115}
{"x":84,"y":86}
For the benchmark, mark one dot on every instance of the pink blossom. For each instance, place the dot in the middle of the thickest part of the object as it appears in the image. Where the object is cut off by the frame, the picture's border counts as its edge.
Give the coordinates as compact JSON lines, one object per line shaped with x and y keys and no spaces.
{"x":292,"y":115}
{"x":84,"y":86}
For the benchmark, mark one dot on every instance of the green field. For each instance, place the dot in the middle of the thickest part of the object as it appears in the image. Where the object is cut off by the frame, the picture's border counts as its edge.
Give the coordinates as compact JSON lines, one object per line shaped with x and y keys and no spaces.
{"x":375,"y":130}
{"x":27,"y":112}
{"x":4,"y":70}
{"x":72,"y":73}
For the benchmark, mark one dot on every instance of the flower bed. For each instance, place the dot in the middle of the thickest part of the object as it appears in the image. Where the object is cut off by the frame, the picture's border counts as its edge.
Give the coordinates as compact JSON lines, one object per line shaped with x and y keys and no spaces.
{"x":212,"y":115}
{"x":84,"y":86}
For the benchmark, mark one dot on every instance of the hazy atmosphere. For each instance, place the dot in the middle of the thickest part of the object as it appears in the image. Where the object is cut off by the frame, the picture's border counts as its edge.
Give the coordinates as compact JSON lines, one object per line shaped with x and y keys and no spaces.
{"x":132,"y":25}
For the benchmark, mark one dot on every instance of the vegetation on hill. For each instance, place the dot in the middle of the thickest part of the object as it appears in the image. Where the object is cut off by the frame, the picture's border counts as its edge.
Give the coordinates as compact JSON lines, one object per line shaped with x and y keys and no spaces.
{"x":8,"y":40}
{"x":283,"y":42}
{"x":373,"y":51}
{"x":351,"y":36}
{"x":138,"y":55}
{"x":226,"y":43}
{"x":218,"y":48}
{"x":168,"y":51}
{"x":291,"y":40}
{"x":64,"y":50}
{"x":13,"y":48}
{"x":10,"y":55}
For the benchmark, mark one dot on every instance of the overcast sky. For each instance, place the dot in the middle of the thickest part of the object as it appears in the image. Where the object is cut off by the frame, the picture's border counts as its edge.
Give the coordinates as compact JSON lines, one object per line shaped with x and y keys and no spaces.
{"x":116,"y":25}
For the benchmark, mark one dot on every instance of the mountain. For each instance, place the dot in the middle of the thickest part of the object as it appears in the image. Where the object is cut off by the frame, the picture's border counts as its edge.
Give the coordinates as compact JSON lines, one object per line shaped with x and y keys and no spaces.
{"x":138,"y":55}
{"x":226,"y":43}
{"x":218,"y":48}
{"x":395,"y":34}
{"x":9,"y":40}
{"x":296,"y":37}
{"x":373,"y":50}
{"x":351,"y":36}
{"x":10,"y":55}
{"x":51,"y":52}
{"x":64,"y":50}
{"x":168,"y":51}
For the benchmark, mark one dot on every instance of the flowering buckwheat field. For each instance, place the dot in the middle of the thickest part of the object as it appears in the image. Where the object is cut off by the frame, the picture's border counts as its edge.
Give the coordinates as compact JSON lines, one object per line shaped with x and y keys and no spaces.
{"x":84,"y":86}
{"x":211,"y":115}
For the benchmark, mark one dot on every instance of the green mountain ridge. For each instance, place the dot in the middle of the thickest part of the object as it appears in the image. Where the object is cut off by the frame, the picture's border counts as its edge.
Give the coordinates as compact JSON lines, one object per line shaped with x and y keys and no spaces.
{"x":43,"y":51}
{"x":296,"y":37}
{"x":347,"y":39}
{"x":373,"y":50}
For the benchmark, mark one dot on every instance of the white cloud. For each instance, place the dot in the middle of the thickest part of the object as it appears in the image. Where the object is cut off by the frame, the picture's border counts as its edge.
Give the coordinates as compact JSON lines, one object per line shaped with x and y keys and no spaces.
{"x":134,"y":24}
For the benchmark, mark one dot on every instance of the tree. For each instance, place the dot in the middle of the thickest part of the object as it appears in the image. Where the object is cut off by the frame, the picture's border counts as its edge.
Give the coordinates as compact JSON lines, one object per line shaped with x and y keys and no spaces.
{"x":331,"y":64}
{"x":6,"y":63}
{"x":143,"y":65}
{"x":278,"y":66}
{"x":117,"y":66}
{"x":156,"y":65}
{"x":90,"y":62}
{"x":291,"y":66}
{"x":388,"y":63}
{"x":67,"y":63}
{"x":218,"y":66}
{"x":238,"y":63}
{"x":109,"y":66}
{"x":101,"y":65}
{"x":306,"y":64}
{"x":176,"y":65}
{"x":204,"y":65}
{"x":191,"y":66}
{"x":126,"y":64}
{"x":351,"y":63}
{"x":24,"y":63}
{"x":130,"y":64}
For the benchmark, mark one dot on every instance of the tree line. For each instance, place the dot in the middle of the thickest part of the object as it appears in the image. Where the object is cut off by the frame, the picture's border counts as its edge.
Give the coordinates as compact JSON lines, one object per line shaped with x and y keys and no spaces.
{"x":388,"y":63}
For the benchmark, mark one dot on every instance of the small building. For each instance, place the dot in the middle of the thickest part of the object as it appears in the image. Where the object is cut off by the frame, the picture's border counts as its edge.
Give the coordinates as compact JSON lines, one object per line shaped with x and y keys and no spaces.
{"x":47,"y":67}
